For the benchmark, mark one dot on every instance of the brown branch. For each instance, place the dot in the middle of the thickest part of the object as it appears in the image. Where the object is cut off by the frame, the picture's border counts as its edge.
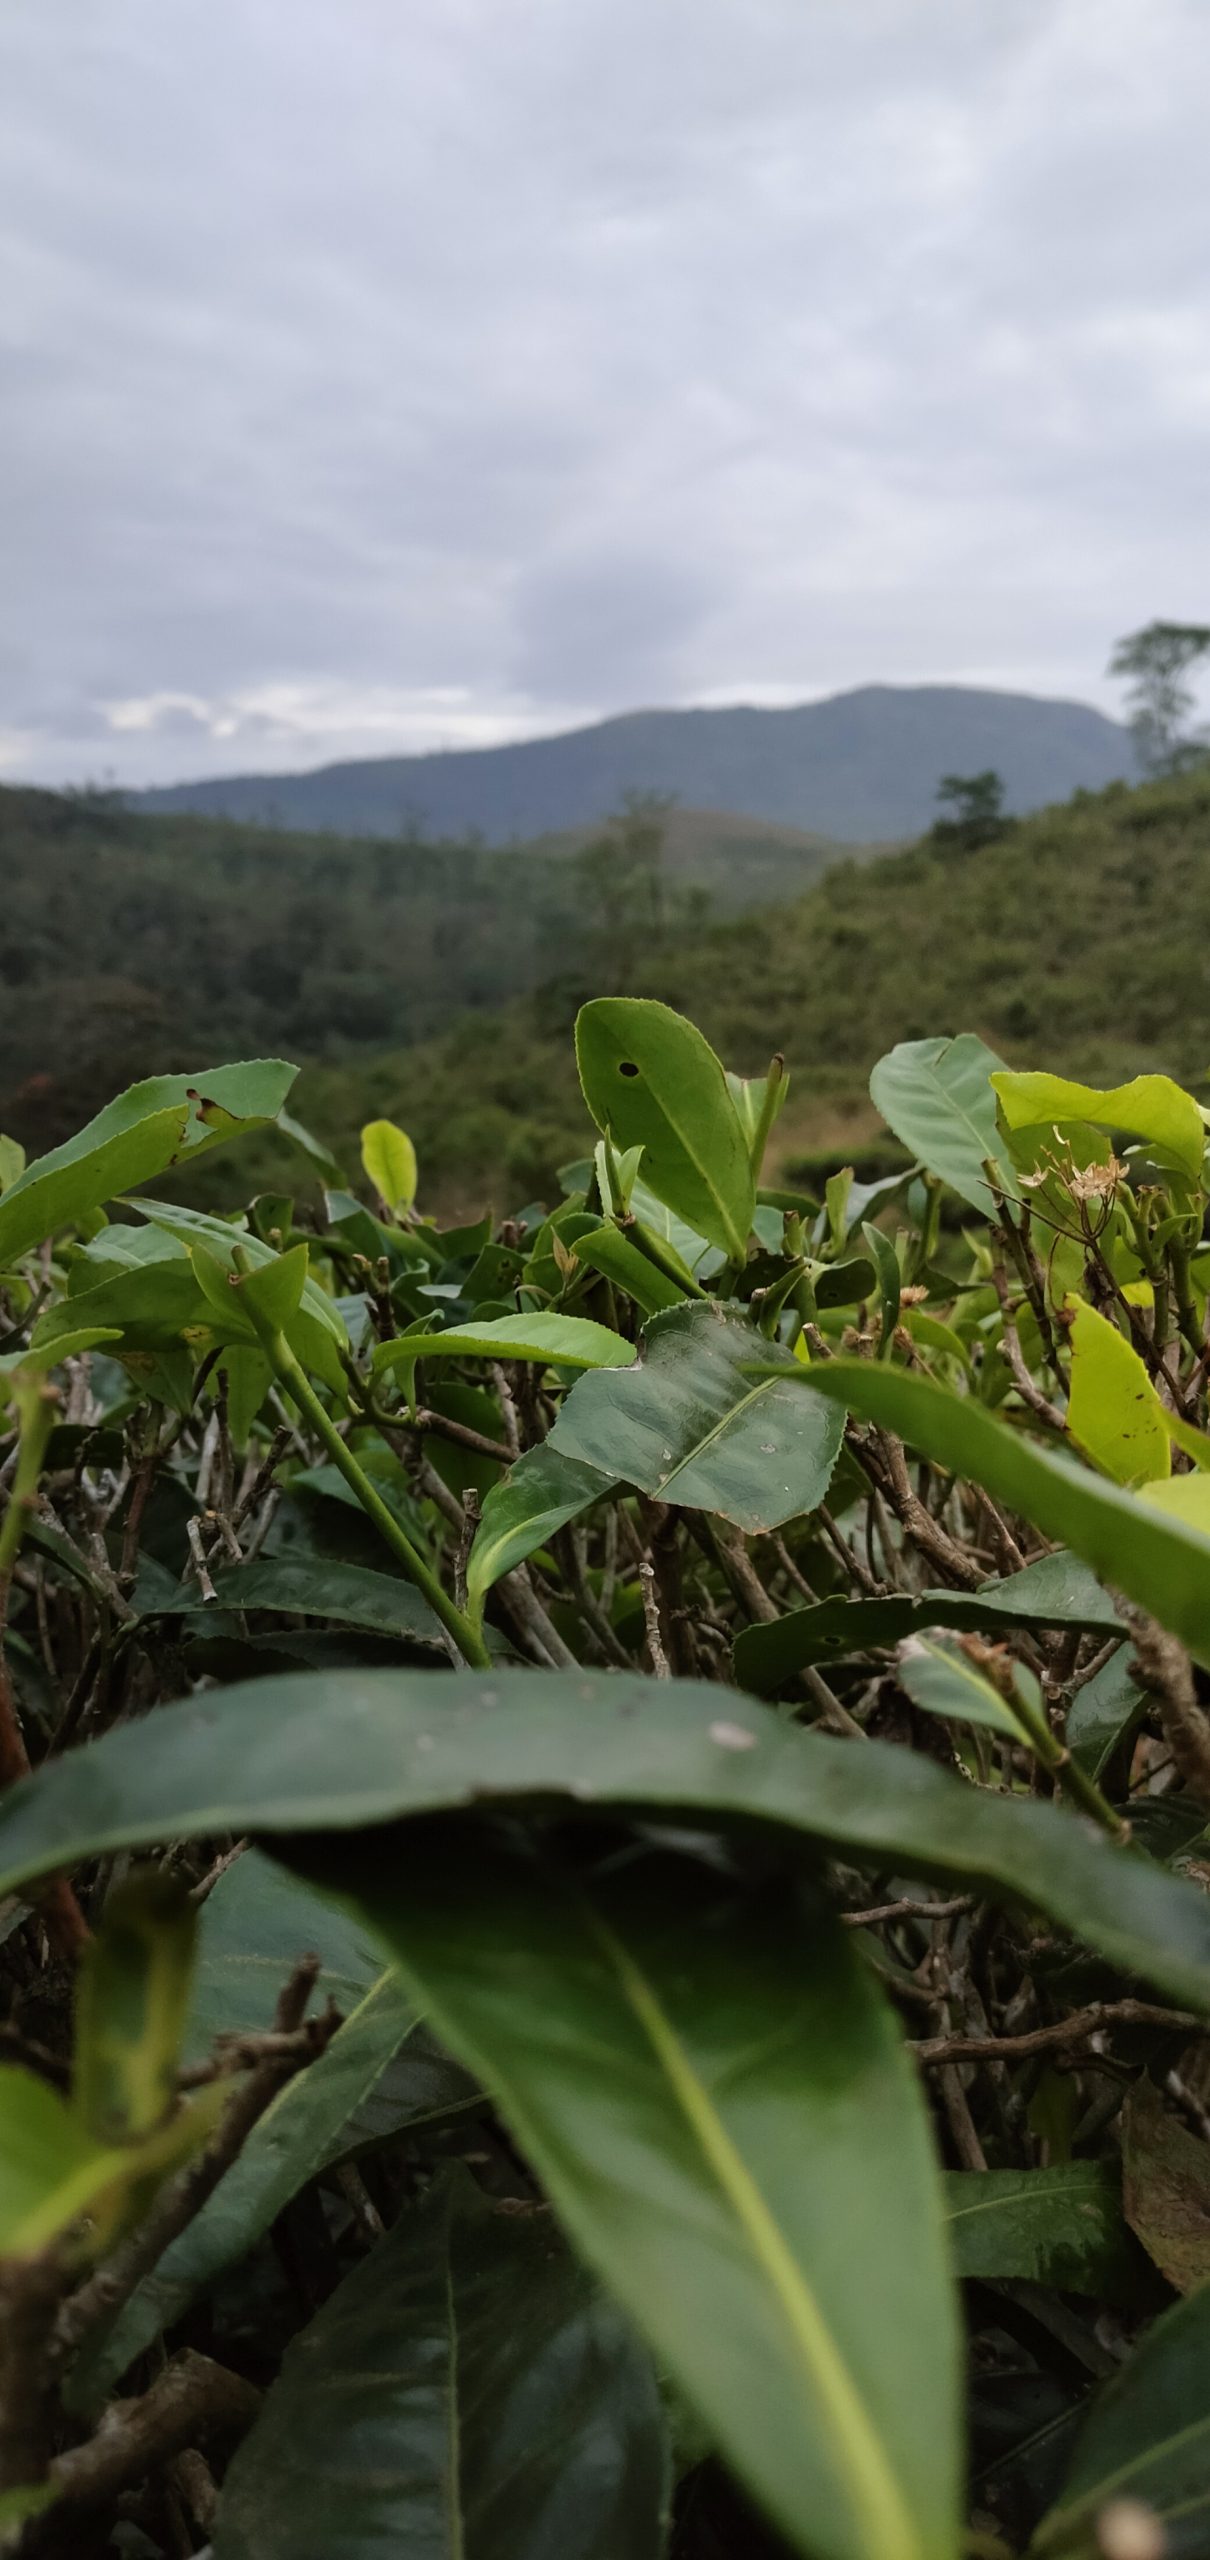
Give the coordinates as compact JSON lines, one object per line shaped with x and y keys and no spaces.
{"x":183,"y":2197}
{"x":1077,"y":2029}
{"x":193,"y":2402}
{"x":907,"y":1909}
{"x":651,"y":1615}
{"x":1168,"y":1673}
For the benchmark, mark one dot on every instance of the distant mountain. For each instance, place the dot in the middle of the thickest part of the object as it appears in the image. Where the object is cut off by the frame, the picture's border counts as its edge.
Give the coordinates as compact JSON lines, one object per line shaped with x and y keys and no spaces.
{"x":859,"y":766}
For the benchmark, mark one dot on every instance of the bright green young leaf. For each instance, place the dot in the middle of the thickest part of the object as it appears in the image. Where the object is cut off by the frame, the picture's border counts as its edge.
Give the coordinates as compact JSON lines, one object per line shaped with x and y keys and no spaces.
{"x":467,"y":2393}
{"x":1185,"y":1498}
{"x":690,"y":1426}
{"x":141,"y":1134}
{"x":316,"y":1332}
{"x":721,"y":2109}
{"x":1114,"y":1412}
{"x":12,"y":1163}
{"x":939,"y":1678}
{"x":54,"y":2174}
{"x":1061,"y":2226}
{"x":132,"y":1998}
{"x":1147,"y":2437}
{"x":1156,"y":1560}
{"x":570,"y":1342}
{"x":389,"y":1161}
{"x":1150,"y":1107}
{"x":652,"y":1081}
{"x":319,"y":1751}
{"x":540,"y":1494}
{"x":937,"y":1097}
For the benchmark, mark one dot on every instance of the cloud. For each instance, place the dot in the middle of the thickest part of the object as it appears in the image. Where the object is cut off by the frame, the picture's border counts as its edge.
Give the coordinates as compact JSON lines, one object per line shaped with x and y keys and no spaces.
{"x":381,"y":379}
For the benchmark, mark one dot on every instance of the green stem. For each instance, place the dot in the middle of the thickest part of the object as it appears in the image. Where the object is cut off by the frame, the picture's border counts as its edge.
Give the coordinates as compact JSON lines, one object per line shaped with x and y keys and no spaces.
{"x":297,"y":1384}
{"x":1054,"y":1757}
{"x":771,"y":1101}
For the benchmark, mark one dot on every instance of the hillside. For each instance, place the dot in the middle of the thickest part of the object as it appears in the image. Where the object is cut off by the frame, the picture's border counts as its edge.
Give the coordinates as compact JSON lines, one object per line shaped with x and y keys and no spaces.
{"x":1078,"y":941}
{"x":860,"y":766}
{"x":131,"y":944}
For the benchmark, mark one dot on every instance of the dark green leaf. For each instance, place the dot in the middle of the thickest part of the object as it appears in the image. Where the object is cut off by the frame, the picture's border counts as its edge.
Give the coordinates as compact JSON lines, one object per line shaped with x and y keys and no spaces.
{"x":353,"y":1595}
{"x":132,"y":1140}
{"x":720,"y":2107}
{"x":692,"y":1427}
{"x":321,"y":1751}
{"x":467,"y":2394}
{"x":1153,"y":1557}
{"x":652,"y":1081}
{"x":1147,"y":2438}
{"x":1057,"y":1592}
{"x":1061,"y":2226}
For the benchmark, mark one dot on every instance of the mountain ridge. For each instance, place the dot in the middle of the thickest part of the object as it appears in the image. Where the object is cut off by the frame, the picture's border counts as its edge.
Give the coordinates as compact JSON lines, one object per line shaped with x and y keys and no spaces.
{"x":857,"y":766}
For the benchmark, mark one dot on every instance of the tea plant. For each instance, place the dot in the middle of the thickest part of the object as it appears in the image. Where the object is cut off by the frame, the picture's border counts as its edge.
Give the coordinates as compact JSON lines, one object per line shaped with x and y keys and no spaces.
{"x":606,"y":1947}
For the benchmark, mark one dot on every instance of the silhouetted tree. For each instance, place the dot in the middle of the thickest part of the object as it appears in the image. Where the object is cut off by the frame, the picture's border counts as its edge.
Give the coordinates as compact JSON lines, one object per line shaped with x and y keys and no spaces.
{"x":1155,"y":661}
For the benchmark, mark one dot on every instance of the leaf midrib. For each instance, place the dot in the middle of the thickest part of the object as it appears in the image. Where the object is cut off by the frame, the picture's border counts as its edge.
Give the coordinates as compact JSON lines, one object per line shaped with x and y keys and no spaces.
{"x":876,"y":2497}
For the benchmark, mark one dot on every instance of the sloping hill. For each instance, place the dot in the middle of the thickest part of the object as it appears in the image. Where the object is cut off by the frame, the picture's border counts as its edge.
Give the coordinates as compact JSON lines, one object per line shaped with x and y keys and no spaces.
{"x":861,"y":766}
{"x":1079,"y":941}
{"x":131,"y":944}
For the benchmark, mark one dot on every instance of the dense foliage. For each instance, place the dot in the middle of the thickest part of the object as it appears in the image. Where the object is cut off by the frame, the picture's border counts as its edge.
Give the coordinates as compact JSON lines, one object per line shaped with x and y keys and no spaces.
{"x":131,"y":944}
{"x":606,"y":1948}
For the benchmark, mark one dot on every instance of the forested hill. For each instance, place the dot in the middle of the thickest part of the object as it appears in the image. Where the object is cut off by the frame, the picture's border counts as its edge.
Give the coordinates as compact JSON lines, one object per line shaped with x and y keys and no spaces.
{"x":1079,"y":941}
{"x":860,"y":766}
{"x":133,"y":944}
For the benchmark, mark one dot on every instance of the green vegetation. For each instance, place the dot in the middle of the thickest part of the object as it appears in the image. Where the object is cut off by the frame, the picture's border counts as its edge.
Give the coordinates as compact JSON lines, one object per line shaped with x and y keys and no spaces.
{"x":605,"y":1824}
{"x":1083,"y":932}
{"x":131,"y":945}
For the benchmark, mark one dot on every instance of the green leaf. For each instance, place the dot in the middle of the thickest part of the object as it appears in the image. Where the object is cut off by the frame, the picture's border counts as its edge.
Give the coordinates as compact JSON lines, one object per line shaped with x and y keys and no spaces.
{"x":1185,"y":1498}
{"x":467,"y":2393}
{"x":718,"y":2102}
{"x":1158,"y":1561}
{"x":352,"y":1595}
{"x":690,"y":1426}
{"x":607,"y":1250}
{"x":936,"y":1096}
{"x":570,"y":1342}
{"x":1150,"y":1107}
{"x":317,"y":1332}
{"x":53,"y":2172}
{"x":940,"y":1679}
{"x":379,"y":2072}
{"x":1114,"y":1412}
{"x":317,"y":1751}
{"x":141,"y":1134}
{"x":1147,"y":2438}
{"x":12,"y":1163}
{"x":538,"y":1495}
{"x":132,"y":1999}
{"x":1061,"y":2226}
{"x":1058,"y":1591}
{"x":247,"y":1306}
{"x":1166,"y":2188}
{"x":1103,"y":1712}
{"x":389,"y":1161}
{"x":651,"y":1080}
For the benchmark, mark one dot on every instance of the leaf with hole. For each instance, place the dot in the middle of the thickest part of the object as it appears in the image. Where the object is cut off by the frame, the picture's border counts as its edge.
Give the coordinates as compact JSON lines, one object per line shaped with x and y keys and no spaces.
{"x":652,"y":1081}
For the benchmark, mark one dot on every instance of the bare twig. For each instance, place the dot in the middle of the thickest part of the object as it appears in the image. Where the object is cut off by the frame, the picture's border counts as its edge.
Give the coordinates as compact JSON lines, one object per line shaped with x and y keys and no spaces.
{"x":1079,"y":2028}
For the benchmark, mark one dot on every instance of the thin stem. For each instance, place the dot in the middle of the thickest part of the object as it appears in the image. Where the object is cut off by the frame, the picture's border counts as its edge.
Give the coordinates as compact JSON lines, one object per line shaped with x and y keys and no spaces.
{"x":298,"y":1387}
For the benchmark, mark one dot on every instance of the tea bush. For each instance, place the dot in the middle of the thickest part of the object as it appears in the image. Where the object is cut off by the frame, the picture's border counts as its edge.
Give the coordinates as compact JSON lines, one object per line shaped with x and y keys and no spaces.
{"x":606,"y":1948}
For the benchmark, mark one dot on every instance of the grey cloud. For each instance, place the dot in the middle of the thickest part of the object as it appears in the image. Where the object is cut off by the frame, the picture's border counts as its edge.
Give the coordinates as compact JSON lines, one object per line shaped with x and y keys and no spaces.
{"x":379,"y":377}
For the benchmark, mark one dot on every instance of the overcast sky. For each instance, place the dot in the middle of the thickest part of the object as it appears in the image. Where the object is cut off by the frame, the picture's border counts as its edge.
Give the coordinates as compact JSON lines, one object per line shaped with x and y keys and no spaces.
{"x":385,"y":374}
